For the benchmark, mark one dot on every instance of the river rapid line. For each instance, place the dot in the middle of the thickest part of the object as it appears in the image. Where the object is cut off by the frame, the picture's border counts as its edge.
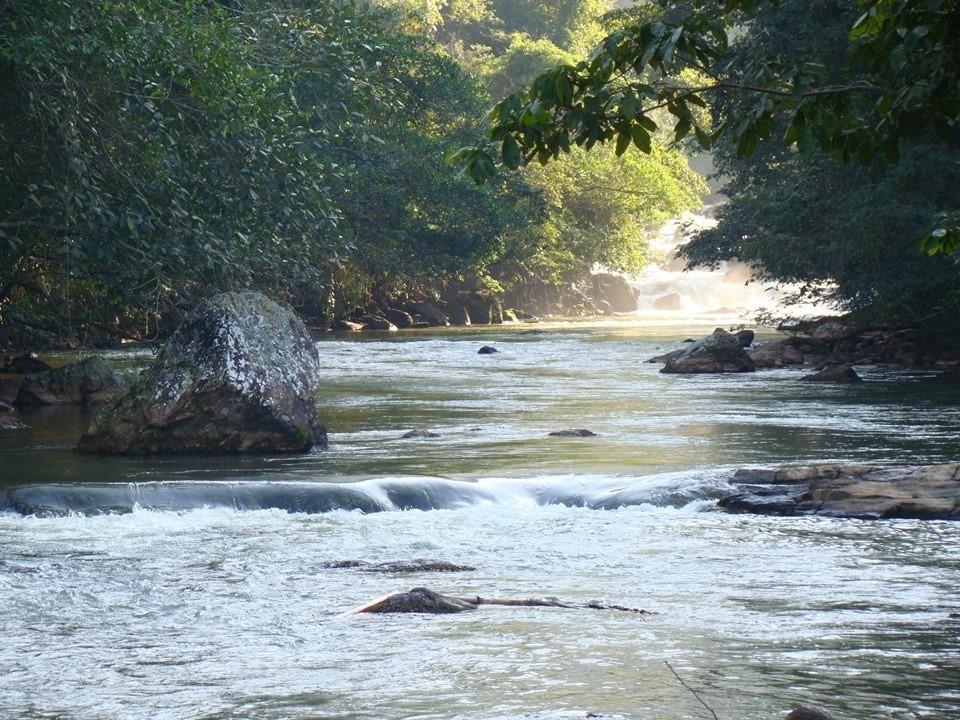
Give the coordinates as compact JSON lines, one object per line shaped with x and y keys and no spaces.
{"x":198,"y":588}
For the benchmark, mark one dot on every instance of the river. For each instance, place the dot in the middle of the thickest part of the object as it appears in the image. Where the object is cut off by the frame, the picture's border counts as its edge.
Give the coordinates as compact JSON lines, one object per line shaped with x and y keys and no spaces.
{"x":197,"y":588}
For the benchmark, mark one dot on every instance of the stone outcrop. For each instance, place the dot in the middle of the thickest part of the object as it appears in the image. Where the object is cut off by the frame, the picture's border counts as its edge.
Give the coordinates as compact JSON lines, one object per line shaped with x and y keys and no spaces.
{"x":239,"y":375}
{"x":835,"y":374}
{"x":89,"y":382}
{"x":615,"y":290}
{"x":720,"y":352}
{"x":849,"y":491}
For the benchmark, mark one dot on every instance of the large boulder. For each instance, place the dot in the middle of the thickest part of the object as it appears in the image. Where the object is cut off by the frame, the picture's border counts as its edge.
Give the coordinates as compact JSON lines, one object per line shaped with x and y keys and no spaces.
{"x":89,"y":382}
{"x":720,"y":352}
{"x":616,"y":291}
{"x":239,"y":375}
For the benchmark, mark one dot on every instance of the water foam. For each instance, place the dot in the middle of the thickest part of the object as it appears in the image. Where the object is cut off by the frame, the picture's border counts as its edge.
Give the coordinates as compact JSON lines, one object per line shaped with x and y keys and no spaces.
{"x":389,"y":494}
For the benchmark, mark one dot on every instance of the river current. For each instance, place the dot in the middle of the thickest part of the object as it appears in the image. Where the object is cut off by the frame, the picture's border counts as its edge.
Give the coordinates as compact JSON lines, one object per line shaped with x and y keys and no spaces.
{"x":199,"y":588}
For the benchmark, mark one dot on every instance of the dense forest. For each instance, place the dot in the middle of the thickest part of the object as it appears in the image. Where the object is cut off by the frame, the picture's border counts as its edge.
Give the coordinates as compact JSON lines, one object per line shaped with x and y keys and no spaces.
{"x":153,"y":153}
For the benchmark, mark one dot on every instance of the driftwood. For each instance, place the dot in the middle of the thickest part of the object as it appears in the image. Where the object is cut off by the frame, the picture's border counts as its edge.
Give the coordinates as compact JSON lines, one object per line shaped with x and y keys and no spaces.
{"x":422,"y":600}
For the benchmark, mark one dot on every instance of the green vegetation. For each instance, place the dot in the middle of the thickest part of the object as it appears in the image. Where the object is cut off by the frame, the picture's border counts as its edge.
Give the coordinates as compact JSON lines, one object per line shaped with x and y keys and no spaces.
{"x":873,"y":85}
{"x":154,"y":153}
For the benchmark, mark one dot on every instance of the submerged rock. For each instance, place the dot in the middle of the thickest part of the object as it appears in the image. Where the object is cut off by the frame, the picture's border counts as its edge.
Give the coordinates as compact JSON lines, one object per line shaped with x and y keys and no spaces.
{"x":420,"y":434}
{"x":400,"y":567}
{"x":805,"y":713}
{"x":720,"y":352}
{"x":422,"y":600}
{"x":88,"y":382}
{"x":834,"y":373}
{"x":417,"y":600}
{"x":573,"y":433}
{"x":930,"y":492}
{"x":239,"y":375}
{"x":487,"y":350}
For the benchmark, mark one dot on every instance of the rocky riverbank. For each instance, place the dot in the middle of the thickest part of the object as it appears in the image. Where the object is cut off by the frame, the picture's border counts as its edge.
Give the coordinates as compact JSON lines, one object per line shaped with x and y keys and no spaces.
{"x":869,"y":492}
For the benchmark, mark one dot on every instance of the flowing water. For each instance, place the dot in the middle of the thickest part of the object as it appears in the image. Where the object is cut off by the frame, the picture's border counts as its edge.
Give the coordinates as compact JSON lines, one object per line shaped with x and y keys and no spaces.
{"x":197,"y":588}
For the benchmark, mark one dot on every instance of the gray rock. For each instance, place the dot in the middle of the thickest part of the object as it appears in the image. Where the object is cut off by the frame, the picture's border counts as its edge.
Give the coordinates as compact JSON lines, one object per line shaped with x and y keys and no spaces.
{"x":667,"y":357}
{"x":487,"y":350}
{"x":417,"y":600}
{"x":345,"y":326}
{"x":428,"y":313}
{"x":11,"y":423}
{"x":400,"y":318}
{"x":929,"y":492}
{"x":573,"y":433}
{"x":375,"y":322}
{"x":777,"y":354}
{"x":419,"y":434}
{"x":834,"y":373}
{"x":717,"y":353}
{"x":745,"y":337}
{"x":805,"y":713}
{"x":400,"y":567}
{"x":614,"y":290}
{"x":239,"y":375}
{"x":88,"y":382}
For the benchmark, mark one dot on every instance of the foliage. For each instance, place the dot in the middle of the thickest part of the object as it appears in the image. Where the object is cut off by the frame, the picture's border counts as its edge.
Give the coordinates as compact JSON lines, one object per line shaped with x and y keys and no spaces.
{"x":901,"y":80}
{"x":168,"y":150}
{"x":846,"y":233}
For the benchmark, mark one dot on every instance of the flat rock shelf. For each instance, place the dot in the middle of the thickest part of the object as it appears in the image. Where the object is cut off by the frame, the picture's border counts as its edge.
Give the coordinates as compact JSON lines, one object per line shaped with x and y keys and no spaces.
{"x":930,"y":492}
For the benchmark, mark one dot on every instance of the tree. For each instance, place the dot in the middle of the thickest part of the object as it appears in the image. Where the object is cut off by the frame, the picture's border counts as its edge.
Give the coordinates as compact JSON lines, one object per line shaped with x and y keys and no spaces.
{"x":901,"y":81}
{"x":153,"y":152}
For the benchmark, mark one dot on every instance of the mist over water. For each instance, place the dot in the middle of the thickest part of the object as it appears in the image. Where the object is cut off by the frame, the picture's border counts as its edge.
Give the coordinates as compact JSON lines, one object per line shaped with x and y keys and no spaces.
{"x":731,"y":293}
{"x":197,"y":587}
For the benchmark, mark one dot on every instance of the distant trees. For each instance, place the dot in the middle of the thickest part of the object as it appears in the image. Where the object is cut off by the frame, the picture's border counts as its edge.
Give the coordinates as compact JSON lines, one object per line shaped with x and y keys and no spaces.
{"x":869,"y":84}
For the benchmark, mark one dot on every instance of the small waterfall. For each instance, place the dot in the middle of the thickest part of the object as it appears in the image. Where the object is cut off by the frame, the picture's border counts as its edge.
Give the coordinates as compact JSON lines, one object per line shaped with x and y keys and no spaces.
{"x":728,"y":293}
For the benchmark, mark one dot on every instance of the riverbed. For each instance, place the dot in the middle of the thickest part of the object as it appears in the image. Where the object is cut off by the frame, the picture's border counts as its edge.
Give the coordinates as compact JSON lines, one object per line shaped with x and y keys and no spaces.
{"x":197,"y":588}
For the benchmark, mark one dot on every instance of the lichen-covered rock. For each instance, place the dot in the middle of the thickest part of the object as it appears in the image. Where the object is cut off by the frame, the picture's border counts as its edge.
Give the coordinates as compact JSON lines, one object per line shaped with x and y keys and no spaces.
{"x":720,"y":352}
{"x":88,"y":382}
{"x":239,"y":375}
